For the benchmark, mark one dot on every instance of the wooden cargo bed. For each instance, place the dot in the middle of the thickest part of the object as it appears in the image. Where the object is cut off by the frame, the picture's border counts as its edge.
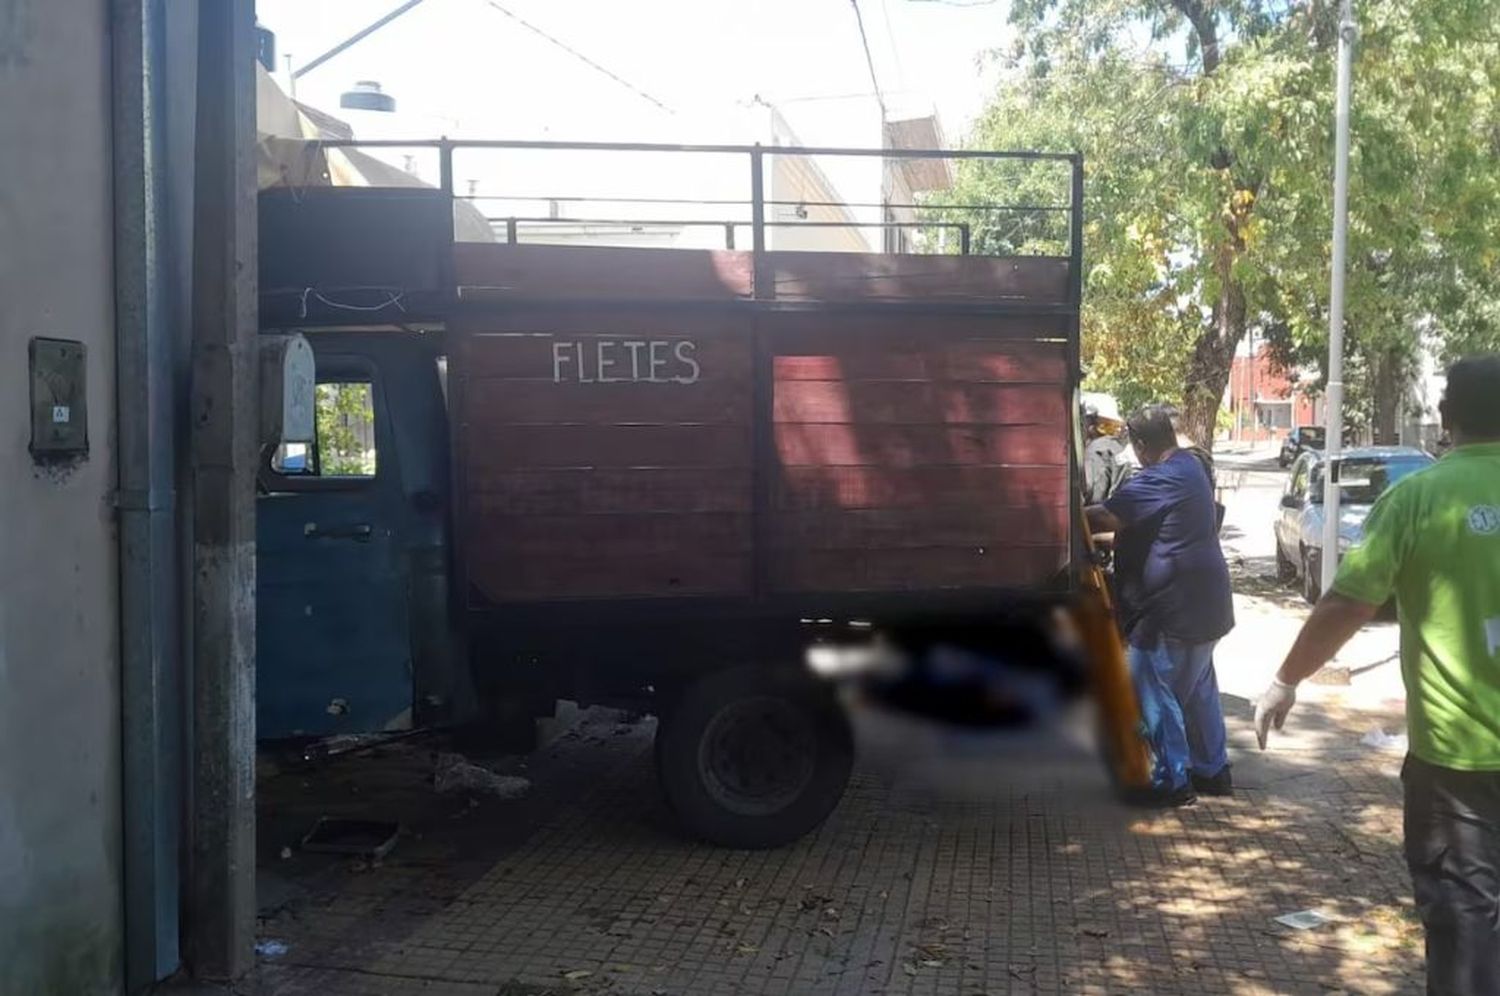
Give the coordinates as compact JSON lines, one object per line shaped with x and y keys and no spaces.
{"x":639,"y":425}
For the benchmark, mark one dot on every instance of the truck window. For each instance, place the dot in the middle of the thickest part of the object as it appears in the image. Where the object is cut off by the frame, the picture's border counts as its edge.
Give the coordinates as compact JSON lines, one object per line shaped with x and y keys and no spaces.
{"x":345,"y":426}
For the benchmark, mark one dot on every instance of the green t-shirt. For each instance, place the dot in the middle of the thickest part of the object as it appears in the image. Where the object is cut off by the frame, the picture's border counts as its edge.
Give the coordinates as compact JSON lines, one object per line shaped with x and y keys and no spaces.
{"x":1433,"y":540}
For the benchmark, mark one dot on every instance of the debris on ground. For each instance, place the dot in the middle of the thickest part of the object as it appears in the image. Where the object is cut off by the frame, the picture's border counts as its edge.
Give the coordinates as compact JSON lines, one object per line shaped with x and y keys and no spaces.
{"x":1304,"y":920}
{"x":456,"y":773}
{"x":1381,"y":740}
{"x":271,"y":948}
{"x":371,"y":839}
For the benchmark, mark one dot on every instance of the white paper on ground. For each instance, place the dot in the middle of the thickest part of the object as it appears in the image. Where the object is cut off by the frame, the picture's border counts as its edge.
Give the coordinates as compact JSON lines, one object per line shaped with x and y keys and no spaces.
{"x":1303,"y":920}
{"x":1381,"y":740}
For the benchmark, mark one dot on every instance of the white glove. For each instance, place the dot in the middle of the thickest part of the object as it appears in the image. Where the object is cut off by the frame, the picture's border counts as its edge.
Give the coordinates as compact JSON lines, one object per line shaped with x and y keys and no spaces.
{"x":1273,"y":706}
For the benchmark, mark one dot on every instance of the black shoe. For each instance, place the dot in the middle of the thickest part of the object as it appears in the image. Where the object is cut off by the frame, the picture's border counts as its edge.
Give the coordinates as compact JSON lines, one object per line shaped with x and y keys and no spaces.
{"x":1156,"y":798}
{"x":1220,"y":784}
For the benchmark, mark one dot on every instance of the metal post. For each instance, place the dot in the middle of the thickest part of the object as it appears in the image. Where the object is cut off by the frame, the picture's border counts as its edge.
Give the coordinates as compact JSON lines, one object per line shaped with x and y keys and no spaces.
{"x":1334,"y":431}
{"x":729,"y":235}
{"x":963,"y":239}
{"x":511,"y":231}
{"x":150,"y":659}
{"x":445,"y":167}
{"x":1075,"y":236}
{"x":220,"y":923}
{"x":758,"y":224}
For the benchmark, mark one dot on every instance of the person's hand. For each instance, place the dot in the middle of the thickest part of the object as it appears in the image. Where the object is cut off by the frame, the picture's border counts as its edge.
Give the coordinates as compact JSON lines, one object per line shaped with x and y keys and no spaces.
{"x":1273,"y":706}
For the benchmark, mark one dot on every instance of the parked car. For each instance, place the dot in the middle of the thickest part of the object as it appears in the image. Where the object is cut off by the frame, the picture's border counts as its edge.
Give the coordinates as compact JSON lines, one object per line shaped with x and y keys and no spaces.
{"x":1303,"y":439}
{"x":1367,"y":473}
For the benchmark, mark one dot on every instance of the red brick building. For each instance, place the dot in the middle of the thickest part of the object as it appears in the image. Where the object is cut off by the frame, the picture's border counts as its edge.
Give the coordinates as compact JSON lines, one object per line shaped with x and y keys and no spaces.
{"x":1265,"y":401}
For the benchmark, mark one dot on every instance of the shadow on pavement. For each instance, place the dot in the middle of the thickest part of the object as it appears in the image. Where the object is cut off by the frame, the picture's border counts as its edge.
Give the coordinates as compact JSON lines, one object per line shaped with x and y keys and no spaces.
{"x":958,"y":863}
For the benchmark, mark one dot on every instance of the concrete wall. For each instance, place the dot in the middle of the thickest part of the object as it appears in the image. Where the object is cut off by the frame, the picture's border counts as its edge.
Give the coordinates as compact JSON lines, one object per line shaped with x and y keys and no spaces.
{"x":60,"y":930}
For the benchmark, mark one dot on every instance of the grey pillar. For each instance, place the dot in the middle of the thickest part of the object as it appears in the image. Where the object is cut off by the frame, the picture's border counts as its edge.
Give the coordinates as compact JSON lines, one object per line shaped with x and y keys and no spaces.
{"x":220,"y":922}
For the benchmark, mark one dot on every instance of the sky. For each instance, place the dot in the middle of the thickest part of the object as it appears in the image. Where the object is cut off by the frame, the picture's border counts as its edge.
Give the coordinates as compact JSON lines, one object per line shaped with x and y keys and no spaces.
{"x":465,"y":68}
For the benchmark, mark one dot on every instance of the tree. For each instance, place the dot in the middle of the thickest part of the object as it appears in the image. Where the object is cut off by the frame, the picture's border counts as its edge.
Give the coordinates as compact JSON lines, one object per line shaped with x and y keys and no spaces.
{"x":345,"y":419}
{"x":1208,"y":199}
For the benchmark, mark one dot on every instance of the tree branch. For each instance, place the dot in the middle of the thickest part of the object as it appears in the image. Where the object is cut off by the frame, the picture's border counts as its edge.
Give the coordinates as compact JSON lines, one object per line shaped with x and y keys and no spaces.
{"x":1205,"y":27}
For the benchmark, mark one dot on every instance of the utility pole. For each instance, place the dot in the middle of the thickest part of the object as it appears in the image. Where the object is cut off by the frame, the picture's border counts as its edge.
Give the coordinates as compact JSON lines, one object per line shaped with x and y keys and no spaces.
{"x":1334,"y":431}
{"x":223,"y":436}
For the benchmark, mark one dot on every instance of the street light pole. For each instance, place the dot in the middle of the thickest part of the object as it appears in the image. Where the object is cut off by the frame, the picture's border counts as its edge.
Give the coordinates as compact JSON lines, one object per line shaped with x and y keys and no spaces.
{"x":1334,"y":432}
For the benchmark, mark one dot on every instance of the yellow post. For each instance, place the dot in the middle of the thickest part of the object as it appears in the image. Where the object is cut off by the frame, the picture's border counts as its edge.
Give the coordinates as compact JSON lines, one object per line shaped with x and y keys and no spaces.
{"x":1120,"y":713}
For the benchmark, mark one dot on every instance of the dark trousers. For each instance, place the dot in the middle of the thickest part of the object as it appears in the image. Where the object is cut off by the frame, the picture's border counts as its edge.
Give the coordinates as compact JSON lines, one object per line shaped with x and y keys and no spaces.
{"x":1452,"y":831}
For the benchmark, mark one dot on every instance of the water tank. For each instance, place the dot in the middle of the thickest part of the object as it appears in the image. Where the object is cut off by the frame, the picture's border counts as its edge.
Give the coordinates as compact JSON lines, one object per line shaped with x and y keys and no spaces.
{"x":367,"y":96}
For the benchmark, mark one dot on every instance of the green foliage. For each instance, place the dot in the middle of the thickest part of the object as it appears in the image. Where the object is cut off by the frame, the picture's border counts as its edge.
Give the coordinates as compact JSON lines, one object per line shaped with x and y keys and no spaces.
{"x":345,"y":421}
{"x":1208,"y":184}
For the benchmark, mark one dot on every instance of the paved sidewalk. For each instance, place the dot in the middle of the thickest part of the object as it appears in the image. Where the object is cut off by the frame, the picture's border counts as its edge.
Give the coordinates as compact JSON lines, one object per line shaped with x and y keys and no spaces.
{"x":957,"y":865}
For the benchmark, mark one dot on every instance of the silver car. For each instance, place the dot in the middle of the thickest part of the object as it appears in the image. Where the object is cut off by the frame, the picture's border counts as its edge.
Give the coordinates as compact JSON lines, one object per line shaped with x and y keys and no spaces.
{"x":1367,"y":472}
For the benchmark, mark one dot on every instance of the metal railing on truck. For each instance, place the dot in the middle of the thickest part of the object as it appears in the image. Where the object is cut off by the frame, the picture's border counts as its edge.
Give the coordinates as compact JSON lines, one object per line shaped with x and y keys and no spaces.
{"x":1039,"y":215}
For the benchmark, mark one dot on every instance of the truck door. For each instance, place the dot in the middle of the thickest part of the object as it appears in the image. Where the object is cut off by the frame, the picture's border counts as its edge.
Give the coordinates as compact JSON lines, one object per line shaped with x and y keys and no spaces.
{"x":333,"y":627}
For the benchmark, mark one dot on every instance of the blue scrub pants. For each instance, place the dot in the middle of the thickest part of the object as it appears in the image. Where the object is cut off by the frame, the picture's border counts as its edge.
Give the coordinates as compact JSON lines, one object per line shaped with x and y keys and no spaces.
{"x":1180,"y":712}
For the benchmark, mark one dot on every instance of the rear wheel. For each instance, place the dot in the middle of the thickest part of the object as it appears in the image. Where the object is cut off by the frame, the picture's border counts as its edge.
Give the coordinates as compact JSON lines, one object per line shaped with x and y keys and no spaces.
{"x":754,"y":758}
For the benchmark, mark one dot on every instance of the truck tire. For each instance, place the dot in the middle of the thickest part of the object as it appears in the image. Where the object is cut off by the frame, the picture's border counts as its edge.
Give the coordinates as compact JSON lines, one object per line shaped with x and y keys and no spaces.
{"x":753,"y":758}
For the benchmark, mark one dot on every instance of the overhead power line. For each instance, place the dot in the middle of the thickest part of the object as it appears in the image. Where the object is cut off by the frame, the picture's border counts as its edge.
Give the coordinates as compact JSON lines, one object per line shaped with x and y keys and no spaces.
{"x":355,"y":38}
{"x":864,"y":41}
{"x":580,"y":56}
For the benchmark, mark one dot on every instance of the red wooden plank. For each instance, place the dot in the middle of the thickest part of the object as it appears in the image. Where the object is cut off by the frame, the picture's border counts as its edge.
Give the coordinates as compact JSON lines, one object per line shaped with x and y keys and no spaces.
{"x":621,"y":347}
{"x":532,"y":578}
{"x":916,"y":487}
{"x":980,"y":362}
{"x":968,"y":526}
{"x":915,"y":570}
{"x":493,"y":402}
{"x":851,"y":276}
{"x":799,"y":445}
{"x":530,"y":447}
{"x":863,"y":403}
{"x":681,"y":534}
{"x":496,"y":272}
{"x":589,"y":491}
{"x":829,"y":331}
{"x":485,"y":272}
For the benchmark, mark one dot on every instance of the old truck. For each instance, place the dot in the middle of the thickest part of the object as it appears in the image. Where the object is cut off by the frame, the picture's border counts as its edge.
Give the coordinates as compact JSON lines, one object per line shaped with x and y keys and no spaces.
{"x":652,"y":477}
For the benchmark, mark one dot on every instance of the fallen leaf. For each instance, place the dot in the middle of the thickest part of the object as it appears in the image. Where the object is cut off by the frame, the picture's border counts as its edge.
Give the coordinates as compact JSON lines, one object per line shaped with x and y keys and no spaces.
{"x":909,"y":968}
{"x":746,"y":949}
{"x":1095,"y":932}
{"x":576,"y":974}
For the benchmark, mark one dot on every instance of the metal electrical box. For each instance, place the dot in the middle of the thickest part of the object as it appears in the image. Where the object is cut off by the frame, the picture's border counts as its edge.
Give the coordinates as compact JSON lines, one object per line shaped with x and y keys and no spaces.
{"x":59,"y":409}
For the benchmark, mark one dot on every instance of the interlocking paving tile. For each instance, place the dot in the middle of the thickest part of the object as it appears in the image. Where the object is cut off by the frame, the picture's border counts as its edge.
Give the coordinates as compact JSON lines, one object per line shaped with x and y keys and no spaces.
{"x":970,"y":869}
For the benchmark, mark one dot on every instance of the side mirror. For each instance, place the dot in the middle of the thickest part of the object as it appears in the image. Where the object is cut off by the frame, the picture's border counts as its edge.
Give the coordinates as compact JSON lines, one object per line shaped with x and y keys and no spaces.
{"x":1291,"y":501}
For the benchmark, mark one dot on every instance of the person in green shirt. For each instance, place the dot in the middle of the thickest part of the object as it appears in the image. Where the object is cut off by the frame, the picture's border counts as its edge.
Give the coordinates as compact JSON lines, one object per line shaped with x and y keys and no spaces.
{"x":1433,"y":541}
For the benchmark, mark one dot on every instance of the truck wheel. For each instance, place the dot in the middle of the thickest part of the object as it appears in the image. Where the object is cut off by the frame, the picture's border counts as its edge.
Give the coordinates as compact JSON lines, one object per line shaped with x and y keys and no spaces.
{"x":752,"y":758}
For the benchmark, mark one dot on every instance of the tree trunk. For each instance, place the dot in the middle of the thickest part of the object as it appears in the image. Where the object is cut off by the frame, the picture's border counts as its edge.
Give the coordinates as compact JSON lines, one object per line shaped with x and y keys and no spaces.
{"x":1213,"y":356}
{"x":1387,"y":401}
